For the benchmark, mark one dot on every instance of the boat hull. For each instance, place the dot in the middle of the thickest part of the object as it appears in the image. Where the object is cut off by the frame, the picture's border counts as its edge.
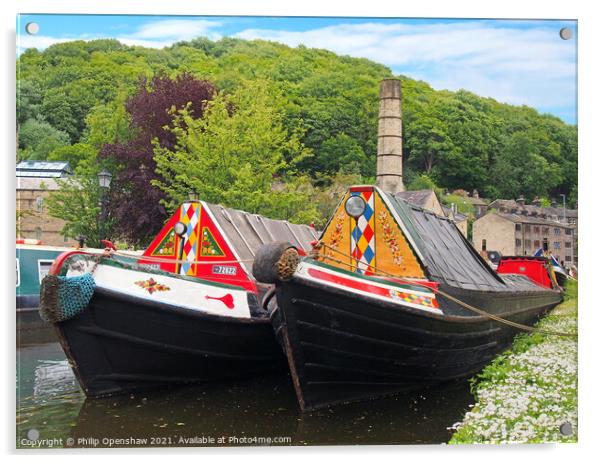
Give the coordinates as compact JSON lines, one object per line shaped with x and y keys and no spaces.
{"x":121,"y":343}
{"x":342,"y":346}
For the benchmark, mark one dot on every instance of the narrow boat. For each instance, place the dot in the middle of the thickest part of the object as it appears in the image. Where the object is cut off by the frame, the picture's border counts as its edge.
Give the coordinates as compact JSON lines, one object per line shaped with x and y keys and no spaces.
{"x":392,"y":298}
{"x":560,"y":274}
{"x":33,"y":260}
{"x":185,"y":311}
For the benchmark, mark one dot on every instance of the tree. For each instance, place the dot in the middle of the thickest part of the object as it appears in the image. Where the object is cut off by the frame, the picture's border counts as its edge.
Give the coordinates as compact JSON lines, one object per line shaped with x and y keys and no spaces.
{"x":342,"y":152}
{"x":136,"y":205}
{"x":77,"y":202}
{"x":74,"y":154}
{"x":238,"y":157}
{"x":37,"y":139}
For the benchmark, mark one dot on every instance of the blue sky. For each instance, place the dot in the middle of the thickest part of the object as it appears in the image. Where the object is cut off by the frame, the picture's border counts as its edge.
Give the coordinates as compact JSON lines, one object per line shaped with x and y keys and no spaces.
{"x":514,"y":61}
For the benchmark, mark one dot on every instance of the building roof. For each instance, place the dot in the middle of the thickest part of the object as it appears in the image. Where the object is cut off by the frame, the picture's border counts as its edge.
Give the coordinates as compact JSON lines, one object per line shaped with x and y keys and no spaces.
{"x":247,"y":232}
{"x":448,"y":256}
{"x":519,"y":218}
{"x":46,"y":169}
{"x":36,"y":183}
{"x":532,"y":210}
{"x":458,"y":217}
{"x":476,"y":201}
{"x":417,"y":197}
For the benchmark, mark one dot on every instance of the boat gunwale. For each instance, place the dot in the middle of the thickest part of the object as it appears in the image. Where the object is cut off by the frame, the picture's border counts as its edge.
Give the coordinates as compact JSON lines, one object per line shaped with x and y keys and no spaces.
{"x":401,"y":307}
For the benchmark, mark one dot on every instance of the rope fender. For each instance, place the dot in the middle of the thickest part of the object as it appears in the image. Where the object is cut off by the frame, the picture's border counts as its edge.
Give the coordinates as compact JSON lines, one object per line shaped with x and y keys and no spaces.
{"x":62,"y":298}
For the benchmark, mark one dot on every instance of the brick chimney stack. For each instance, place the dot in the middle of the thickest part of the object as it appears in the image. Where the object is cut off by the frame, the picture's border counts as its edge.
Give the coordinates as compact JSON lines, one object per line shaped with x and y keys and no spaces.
{"x":389,"y":165}
{"x":521,"y":201}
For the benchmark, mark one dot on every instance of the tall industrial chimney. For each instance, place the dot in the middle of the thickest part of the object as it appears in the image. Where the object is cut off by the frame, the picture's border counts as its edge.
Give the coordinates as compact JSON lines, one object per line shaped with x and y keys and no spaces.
{"x":389,"y":155}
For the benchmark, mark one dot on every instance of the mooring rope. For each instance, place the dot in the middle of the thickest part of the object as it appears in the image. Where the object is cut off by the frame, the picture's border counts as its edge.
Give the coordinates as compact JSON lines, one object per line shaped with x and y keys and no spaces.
{"x":444,"y":294}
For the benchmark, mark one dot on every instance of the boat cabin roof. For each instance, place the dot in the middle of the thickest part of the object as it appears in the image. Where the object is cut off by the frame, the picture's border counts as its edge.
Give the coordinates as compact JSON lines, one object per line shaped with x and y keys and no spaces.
{"x":447,"y":255}
{"x":247,"y":232}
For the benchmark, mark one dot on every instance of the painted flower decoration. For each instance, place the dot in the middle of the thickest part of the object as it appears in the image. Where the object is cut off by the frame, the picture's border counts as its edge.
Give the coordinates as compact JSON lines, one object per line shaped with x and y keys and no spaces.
{"x":390,"y":238}
{"x":151,"y":285}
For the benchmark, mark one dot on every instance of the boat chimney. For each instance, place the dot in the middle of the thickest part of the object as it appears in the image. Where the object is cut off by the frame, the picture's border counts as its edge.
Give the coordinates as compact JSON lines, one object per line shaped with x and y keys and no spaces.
{"x":389,"y":155}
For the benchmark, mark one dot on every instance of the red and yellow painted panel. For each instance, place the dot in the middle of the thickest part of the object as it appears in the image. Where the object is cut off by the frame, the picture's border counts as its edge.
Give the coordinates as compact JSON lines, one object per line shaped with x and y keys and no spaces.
{"x":373,"y":243}
{"x":202,"y":252}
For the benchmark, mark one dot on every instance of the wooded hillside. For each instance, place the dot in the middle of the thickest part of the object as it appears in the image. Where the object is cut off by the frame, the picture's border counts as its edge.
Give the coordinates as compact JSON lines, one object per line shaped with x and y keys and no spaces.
{"x":315,"y":112}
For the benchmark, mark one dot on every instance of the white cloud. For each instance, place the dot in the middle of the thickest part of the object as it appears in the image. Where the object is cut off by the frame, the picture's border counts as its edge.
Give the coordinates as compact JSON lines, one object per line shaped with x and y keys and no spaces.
{"x":176,"y":29}
{"x":513,"y":64}
{"x":37,"y":41}
{"x":155,"y":34}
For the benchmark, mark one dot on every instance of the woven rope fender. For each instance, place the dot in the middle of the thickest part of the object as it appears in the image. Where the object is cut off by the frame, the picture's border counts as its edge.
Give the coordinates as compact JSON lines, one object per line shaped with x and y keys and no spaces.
{"x":275,"y":262}
{"x":62,"y":298}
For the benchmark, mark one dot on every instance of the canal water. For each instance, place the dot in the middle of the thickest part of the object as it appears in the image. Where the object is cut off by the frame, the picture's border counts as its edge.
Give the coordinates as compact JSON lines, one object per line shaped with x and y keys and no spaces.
{"x":52,"y":411}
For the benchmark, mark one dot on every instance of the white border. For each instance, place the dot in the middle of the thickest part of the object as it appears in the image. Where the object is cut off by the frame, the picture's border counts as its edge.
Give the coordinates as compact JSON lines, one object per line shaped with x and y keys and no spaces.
{"x":590,"y":101}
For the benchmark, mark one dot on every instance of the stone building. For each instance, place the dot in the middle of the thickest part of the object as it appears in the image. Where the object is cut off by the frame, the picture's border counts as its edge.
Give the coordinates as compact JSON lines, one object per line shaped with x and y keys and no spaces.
{"x":515,"y":228}
{"x":427,"y":199}
{"x":36,"y":180}
{"x":480,"y":205}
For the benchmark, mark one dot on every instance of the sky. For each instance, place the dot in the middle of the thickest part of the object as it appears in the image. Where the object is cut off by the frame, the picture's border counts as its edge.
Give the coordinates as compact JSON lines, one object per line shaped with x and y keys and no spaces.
{"x":521,"y":62}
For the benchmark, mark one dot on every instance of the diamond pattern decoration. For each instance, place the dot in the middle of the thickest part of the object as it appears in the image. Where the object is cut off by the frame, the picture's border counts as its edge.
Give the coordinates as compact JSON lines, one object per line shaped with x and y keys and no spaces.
{"x":362,"y":235}
{"x":190,"y":216}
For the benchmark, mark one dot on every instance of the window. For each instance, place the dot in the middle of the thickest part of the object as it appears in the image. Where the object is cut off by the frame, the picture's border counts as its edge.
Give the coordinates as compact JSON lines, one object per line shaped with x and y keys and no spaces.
{"x":567,"y":258}
{"x":536,"y":244}
{"x":545,"y":244}
{"x":545,"y":230}
{"x":40,"y":204}
{"x":527,"y":228}
{"x":518,"y":227}
{"x":38,"y":232}
{"x":557,"y":231}
{"x":556,"y":244}
{"x":568,"y":231}
{"x":567,"y":244}
{"x":527,"y":244}
{"x":43,"y":268}
{"x":536,"y":230}
{"x":484,"y":245}
{"x":519,"y":243}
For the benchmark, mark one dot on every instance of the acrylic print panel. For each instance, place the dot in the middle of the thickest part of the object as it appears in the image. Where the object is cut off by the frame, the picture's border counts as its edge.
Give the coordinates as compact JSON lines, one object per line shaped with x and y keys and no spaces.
{"x":121,"y":119}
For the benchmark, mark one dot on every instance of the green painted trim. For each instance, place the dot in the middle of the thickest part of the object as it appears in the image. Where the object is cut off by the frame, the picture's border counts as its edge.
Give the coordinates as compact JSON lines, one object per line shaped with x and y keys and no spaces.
{"x":368,"y":277}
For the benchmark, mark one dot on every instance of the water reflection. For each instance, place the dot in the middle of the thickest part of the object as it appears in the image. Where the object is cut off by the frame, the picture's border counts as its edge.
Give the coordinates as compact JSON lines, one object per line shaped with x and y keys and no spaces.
{"x":50,"y":401}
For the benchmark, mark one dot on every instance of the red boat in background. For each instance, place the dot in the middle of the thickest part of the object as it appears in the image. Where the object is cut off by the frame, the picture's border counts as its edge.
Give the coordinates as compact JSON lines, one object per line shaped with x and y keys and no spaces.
{"x":537,"y":269}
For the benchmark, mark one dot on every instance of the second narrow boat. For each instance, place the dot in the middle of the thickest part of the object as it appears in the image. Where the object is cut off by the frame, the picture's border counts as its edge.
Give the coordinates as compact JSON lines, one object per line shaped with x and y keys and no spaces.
{"x":387,"y":302}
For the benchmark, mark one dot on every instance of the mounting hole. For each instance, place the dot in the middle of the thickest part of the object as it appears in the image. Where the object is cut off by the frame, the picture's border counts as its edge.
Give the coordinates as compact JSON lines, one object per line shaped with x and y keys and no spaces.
{"x":566,"y":33}
{"x":32,"y":28}
{"x":566,"y":429}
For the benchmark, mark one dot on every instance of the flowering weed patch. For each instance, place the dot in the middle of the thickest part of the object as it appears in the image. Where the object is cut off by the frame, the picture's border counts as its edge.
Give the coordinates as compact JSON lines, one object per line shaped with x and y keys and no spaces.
{"x":529,"y":391}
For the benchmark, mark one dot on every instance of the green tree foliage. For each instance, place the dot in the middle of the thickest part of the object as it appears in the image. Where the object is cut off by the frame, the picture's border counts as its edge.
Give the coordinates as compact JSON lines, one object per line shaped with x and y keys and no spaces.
{"x":77,"y":202}
{"x":37,"y":139}
{"x":74,"y":154}
{"x":460,"y":140}
{"x":238,"y":157}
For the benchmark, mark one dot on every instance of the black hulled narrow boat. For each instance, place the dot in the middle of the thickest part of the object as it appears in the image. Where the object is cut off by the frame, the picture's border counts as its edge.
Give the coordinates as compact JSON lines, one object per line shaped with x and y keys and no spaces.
{"x":186,"y":311}
{"x":365,"y":316}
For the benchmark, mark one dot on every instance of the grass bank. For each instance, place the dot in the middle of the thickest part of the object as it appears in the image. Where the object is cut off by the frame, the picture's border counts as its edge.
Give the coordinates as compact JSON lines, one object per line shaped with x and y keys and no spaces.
{"x":529,"y":391}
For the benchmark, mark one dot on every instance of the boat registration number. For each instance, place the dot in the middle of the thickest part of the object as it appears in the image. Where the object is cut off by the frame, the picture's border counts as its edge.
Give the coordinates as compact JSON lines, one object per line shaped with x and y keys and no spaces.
{"x":224,"y":269}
